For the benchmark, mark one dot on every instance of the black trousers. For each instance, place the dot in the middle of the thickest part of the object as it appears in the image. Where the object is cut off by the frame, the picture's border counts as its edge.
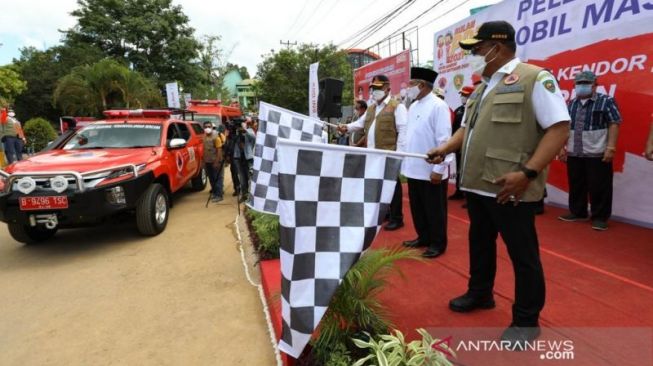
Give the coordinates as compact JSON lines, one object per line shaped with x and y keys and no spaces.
{"x":590,"y":178}
{"x":396,"y":205}
{"x":516,"y":224}
{"x":428,"y":206}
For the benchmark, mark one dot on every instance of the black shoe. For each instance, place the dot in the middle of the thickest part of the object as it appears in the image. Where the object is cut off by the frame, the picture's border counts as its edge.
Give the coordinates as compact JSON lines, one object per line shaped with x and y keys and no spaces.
{"x":414,"y":243}
{"x":242,"y":198}
{"x":457,"y":196}
{"x":518,"y":336}
{"x":467,"y":303}
{"x":394,"y":225}
{"x":432,"y":253}
{"x":539,"y":211}
{"x":236,"y":193}
{"x":464,"y":205}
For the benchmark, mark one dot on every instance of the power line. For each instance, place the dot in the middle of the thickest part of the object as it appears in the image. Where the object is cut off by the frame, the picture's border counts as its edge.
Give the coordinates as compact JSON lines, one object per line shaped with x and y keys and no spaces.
{"x":308,"y":19}
{"x":379,"y":26}
{"x":373,"y":23}
{"x":441,"y":15}
{"x":297,"y":17}
{"x":325,"y":15}
{"x":412,"y":20}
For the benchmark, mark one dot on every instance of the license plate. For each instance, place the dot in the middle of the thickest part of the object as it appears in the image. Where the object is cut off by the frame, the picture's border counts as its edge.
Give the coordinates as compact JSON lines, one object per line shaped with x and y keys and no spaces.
{"x":43,"y":203}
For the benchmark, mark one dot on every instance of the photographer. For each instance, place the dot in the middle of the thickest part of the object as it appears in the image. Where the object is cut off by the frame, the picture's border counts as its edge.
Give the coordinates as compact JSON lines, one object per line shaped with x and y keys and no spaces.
{"x":243,"y":155}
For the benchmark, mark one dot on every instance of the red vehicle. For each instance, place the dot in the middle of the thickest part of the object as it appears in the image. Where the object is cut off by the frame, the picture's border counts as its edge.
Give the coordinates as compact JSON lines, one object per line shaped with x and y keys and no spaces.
{"x":132,"y":161}
{"x":213,"y":111}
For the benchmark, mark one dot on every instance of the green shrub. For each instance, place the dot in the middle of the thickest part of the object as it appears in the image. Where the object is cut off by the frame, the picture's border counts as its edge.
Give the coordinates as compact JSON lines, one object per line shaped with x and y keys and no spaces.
{"x":266,"y":231}
{"x":355,"y":307}
{"x":39,"y":133}
{"x":392,"y":350}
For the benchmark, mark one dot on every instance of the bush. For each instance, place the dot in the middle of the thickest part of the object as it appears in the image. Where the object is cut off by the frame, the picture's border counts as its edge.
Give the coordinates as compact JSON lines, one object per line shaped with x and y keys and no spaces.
{"x":39,"y":133}
{"x":355,"y":308}
{"x":393,"y":350}
{"x":265,"y":233}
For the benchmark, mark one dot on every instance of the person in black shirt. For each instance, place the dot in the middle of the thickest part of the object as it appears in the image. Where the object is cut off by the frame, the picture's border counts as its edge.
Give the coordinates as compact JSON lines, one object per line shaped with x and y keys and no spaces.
{"x":465,"y":92}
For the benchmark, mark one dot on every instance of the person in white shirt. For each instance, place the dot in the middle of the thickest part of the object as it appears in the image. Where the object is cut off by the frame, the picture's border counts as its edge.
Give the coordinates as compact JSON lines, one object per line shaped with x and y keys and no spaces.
{"x":384,"y":125}
{"x":428,"y":125}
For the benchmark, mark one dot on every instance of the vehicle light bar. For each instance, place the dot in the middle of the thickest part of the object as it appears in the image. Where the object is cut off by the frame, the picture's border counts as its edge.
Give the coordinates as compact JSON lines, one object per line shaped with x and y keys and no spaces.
{"x":124,"y":113}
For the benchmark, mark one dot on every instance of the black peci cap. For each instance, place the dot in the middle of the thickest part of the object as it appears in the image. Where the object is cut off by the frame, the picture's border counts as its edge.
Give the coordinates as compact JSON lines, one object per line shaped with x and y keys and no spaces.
{"x":490,"y":31}
{"x":420,"y":73}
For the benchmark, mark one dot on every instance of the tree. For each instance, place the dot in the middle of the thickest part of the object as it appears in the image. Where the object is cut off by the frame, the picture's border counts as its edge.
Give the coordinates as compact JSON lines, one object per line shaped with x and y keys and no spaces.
{"x":91,"y":89}
{"x":284,"y":74}
{"x":39,"y":133}
{"x":41,"y":70}
{"x":152,"y":36}
{"x":11,"y":84}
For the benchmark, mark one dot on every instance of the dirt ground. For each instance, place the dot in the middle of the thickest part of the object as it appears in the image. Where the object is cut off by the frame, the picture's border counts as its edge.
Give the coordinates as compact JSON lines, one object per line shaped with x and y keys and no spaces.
{"x":107,"y":296}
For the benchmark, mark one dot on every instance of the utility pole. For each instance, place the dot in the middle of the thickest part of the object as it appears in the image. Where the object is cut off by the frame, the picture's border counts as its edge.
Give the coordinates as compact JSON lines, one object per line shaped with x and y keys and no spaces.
{"x":288,"y":44}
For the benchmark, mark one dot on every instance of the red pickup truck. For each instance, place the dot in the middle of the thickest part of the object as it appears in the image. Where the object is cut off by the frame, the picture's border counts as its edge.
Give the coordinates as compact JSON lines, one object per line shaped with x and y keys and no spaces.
{"x":132,"y":161}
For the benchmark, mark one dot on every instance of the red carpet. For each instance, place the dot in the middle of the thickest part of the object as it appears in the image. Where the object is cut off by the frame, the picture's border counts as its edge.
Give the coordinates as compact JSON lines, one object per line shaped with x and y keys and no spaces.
{"x":593,"y":279}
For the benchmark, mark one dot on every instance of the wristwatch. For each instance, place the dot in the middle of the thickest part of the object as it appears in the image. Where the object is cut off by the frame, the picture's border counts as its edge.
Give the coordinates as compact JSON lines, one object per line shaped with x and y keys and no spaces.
{"x":530,"y":173}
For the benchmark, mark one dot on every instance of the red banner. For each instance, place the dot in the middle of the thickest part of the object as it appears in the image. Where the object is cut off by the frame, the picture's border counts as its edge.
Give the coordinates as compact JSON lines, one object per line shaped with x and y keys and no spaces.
{"x":396,"y":68}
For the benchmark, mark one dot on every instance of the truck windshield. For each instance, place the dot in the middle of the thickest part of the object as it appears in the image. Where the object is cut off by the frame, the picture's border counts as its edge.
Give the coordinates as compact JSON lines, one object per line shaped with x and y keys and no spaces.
{"x":115,"y":136}
{"x":213,"y":118}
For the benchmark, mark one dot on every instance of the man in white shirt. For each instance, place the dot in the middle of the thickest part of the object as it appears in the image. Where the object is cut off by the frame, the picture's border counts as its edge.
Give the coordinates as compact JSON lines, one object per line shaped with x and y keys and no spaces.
{"x":384,"y":124}
{"x":428,"y":124}
{"x":514,"y":125}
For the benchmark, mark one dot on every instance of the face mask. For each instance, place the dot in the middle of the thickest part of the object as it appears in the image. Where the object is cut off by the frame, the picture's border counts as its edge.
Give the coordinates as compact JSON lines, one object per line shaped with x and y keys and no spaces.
{"x":12,"y":114}
{"x":378,"y":95}
{"x":413,"y":92}
{"x":477,"y":62}
{"x":463,"y":100}
{"x":583,"y":90}
{"x":208,"y":130}
{"x":243,"y":125}
{"x":402,"y":93}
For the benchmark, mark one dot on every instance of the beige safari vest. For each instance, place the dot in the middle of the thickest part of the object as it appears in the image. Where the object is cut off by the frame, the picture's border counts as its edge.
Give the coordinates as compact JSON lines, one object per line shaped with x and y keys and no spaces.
{"x":9,"y":129}
{"x":505,"y":134}
{"x":385,"y":130}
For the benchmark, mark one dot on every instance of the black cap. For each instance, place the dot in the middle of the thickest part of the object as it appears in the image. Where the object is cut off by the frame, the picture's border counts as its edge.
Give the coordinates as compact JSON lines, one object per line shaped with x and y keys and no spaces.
{"x":490,"y":31}
{"x":420,"y":73}
{"x":380,"y":80}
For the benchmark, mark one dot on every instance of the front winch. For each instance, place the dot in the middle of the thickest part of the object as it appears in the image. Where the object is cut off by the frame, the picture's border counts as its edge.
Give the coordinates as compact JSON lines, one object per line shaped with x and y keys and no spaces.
{"x":49,"y":220}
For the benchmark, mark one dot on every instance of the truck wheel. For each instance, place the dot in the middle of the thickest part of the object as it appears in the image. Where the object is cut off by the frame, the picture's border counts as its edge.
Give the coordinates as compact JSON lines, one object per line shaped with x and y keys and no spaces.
{"x":199,"y":183}
{"x":152,"y":210}
{"x":30,"y":235}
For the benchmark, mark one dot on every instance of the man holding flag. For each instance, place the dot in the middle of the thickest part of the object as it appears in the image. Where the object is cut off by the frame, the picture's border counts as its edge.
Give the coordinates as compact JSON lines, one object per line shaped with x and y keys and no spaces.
{"x":384,"y":125}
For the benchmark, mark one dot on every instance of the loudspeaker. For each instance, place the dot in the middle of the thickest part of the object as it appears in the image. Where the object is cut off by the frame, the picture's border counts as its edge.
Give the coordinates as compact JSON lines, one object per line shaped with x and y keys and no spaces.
{"x":329,"y":101}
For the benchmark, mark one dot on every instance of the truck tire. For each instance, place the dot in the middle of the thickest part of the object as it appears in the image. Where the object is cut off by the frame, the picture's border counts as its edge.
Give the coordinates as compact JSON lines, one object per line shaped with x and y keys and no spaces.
{"x":30,"y":235}
{"x":152,"y":210}
{"x":198,"y":183}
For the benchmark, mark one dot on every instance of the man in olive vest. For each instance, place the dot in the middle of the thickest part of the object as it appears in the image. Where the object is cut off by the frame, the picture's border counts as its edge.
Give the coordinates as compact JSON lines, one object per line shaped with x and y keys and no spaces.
{"x":515,"y":123}
{"x":214,"y":160}
{"x":12,"y":138}
{"x":384,"y":125}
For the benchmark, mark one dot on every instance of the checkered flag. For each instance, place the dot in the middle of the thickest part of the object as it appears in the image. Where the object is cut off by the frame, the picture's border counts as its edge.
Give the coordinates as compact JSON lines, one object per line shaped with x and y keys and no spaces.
{"x":332,"y":200}
{"x":275,"y":123}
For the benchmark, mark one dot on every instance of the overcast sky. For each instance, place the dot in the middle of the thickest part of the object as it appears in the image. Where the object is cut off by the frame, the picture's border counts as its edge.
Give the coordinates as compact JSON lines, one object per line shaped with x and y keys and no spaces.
{"x":249,"y":27}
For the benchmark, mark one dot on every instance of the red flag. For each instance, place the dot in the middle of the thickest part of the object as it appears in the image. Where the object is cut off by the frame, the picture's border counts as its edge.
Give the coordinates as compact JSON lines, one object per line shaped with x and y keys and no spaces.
{"x":3,"y":116}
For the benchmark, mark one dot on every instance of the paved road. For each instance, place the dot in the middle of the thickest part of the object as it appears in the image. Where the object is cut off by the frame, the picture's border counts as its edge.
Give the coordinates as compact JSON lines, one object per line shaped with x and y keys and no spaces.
{"x":106,"y":296}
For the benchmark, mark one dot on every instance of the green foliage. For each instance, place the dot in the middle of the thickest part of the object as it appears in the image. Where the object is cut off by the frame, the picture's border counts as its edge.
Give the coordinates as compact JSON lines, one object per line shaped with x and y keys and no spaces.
{"x":355,"y":306}
{"x":41,"y":70}
{"x":392,"y":350}
{"x":339,"y":356}
{"x":91,"y":89}
{"x":11,"y":84}
{"x":39,"y":132}
{"x":266,"y":229}
{"x":284,"y":74}
{"x":152,"y":36}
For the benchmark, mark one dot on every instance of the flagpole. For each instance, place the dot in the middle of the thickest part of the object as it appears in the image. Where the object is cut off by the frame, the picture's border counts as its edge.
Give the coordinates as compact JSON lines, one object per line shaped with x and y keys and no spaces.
{"x":312,"y":145}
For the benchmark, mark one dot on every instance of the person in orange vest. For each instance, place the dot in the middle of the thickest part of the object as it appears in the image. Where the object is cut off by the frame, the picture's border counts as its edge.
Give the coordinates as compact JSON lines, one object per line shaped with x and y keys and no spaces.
{"x":12,"y":137}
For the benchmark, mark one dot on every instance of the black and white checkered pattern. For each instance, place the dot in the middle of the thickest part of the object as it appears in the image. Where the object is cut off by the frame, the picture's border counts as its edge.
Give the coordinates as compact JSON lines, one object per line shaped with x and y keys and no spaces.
{"x":274,"y":123}
{"x":332,"y":200}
